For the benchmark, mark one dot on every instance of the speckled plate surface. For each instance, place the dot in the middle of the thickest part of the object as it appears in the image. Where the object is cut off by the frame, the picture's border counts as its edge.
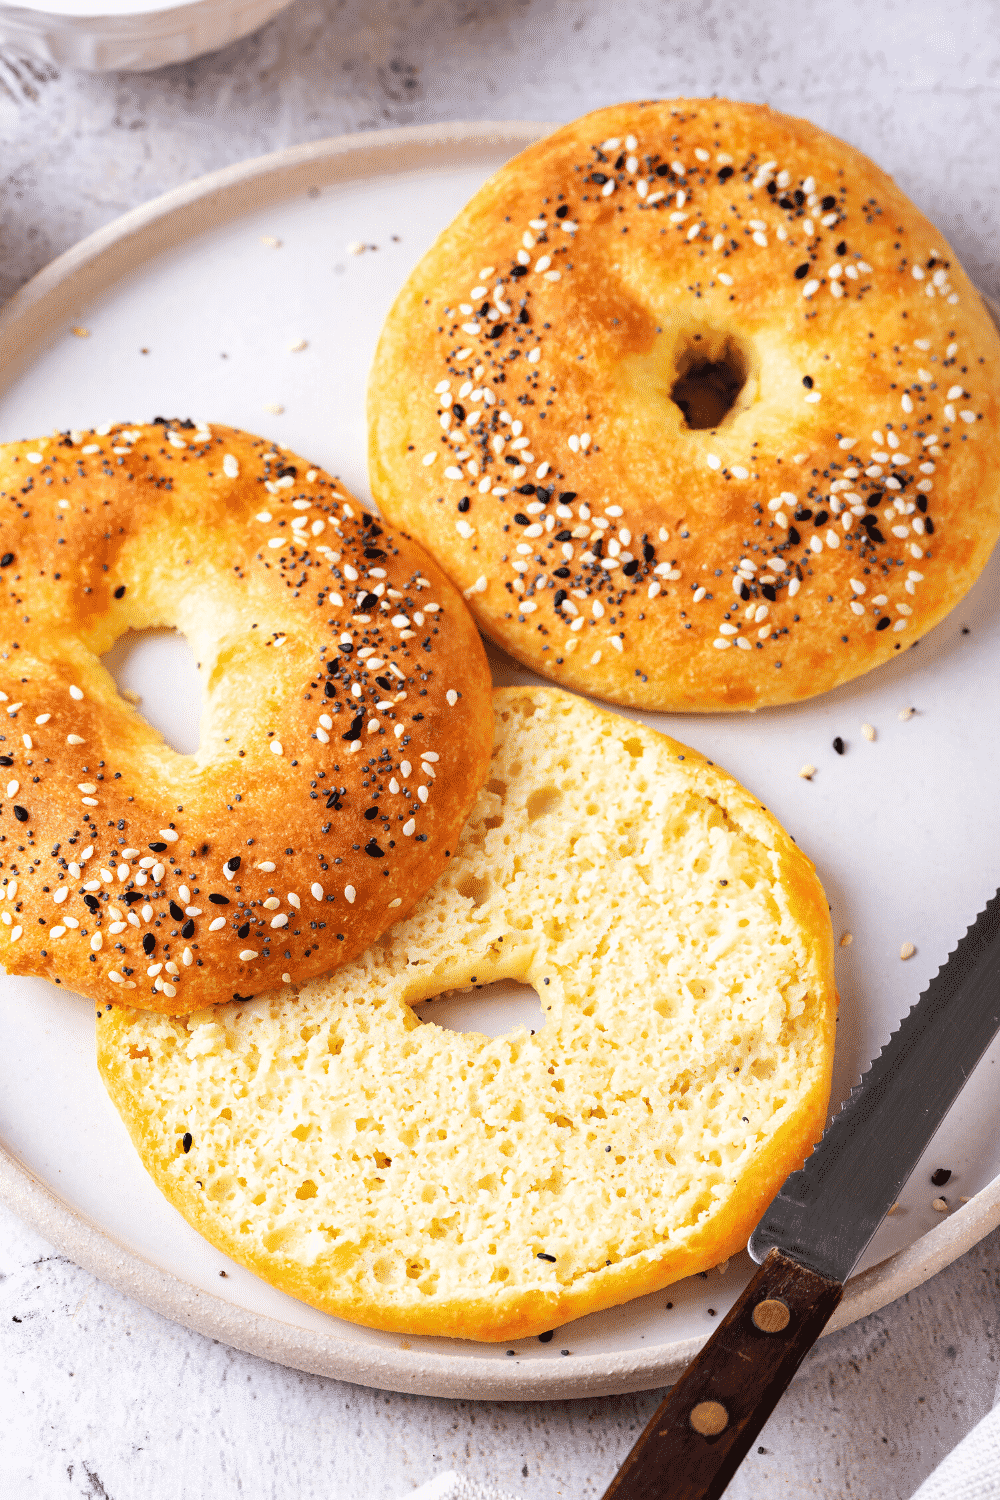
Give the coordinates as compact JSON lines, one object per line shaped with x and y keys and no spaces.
{"x":197,"y":304}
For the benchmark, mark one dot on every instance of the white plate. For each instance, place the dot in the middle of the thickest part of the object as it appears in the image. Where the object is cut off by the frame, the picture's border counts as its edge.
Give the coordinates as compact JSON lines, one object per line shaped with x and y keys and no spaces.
{"x":905,"y":831}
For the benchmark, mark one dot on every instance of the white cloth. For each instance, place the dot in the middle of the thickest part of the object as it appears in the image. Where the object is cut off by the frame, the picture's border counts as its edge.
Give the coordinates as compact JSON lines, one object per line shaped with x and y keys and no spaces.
{"x":971,"y":1471}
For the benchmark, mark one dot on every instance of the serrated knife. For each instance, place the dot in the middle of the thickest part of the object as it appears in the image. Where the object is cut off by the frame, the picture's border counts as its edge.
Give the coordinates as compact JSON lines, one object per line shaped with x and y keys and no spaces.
{"x":816,"y":1230}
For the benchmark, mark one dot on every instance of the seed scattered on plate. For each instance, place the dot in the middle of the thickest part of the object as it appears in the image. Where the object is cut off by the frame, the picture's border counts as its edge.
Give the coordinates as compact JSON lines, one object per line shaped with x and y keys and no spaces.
{"x":355,"y":247}
{"x":939,"y":1206}
{"x":868,"y":732}
{"x":941,"y":1176}
{"x":906,"y":713}
{"x":298,"y":346}
{"x":839,"y":745}
{"x":907,"y":951}
{"x":270,"y":241}
{"x":275,"y":407}
{"x":808,"y":772}
{"x":847,"y":939}
{"x":80,"y":333}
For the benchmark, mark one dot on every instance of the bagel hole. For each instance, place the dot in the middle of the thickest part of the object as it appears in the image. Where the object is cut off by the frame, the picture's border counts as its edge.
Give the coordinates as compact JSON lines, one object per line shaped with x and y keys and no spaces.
{"x":156,"y":668}
{"x":711,"y":374}
{"x":493,"y":1010}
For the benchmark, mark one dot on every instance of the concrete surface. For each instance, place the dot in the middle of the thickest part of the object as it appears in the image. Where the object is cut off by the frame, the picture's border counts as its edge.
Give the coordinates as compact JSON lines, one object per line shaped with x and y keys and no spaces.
{"x":99,"y":1397}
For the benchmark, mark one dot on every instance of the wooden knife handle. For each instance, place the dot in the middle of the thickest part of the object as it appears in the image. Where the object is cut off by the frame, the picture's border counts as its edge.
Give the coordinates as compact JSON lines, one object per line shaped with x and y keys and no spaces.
{"x":702,"y":1431}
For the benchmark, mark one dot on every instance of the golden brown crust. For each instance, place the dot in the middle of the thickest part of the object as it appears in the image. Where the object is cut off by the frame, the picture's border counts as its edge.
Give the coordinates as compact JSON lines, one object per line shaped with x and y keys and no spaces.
{"x":789,"y":261}
{"x":404,"y":1176}
{"x":276,"y":850}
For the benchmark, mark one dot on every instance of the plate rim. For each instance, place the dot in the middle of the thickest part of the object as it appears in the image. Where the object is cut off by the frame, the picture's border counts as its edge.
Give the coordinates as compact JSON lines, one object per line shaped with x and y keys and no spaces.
{"x":34,"y":316}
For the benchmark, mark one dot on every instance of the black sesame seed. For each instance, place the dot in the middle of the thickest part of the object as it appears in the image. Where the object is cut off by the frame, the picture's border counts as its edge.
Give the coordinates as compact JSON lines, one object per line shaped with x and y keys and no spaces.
{"x":807,"y":381}
{"x":562,"y":210}
{"x":882,"y":624}
{"x":371,"y":812}
{"x":329,"y":689}
{"x":725,"y":173}
{"x":187,"y":931}
{"x":234,"y":863}
{"x":941,"y":1176}
{"x":521,"y":519}
{"x":218,"y":900}
{"x":802,"y":271}
{"x":542,"y":1256}
{"x":793,"y":536}
{"x":157,"y":848}
{"x":120,"y":591}
{"x":767,"y":589}
{"x":838,"y":745}
{"x":177,"y":912}
{"x":631,"y":567}
{"x":546,"y":1338}
{"x":463,"y":504}
{"x":6,"y":560}
{"x":6,"y":760}
{"x":243,"y":931}
{"x":187,"y":1142}
{"x":567,"y":496}
{"x":148,"y":944}
{"x":21,"y":814}
{"x":828,"y":202}
{"x":373,"y":849}
{"x":842,"y":248}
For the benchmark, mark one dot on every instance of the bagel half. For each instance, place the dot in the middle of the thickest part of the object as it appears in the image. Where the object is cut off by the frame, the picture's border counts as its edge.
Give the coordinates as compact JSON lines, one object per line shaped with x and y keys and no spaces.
{"x":695,"y":407}
{"x":412,"y":1178}
{"x":345,"y":730}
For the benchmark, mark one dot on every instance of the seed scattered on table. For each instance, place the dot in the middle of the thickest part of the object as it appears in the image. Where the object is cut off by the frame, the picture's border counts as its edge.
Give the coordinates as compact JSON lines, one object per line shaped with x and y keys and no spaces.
{"x":941,"y":1176}
{"x":940,"y":1206}
{"x":907,"y":951}
{"x":868,"y":732}
{"x":808,"y":772}
{"x":847,"y":939}
{"x":906,"y":713}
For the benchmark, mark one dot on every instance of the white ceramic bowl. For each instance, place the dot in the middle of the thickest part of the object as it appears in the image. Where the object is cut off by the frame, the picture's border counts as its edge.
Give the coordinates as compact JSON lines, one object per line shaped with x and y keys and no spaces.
{"x":128,"y":36}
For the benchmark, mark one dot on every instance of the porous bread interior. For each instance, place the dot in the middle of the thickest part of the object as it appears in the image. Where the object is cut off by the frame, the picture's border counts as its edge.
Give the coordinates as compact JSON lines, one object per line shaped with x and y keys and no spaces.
{"x":408,"y":1177}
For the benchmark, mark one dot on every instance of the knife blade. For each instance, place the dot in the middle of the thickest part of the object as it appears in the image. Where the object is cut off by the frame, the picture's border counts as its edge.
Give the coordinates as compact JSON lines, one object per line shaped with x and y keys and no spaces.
{"x":816,"y":1230}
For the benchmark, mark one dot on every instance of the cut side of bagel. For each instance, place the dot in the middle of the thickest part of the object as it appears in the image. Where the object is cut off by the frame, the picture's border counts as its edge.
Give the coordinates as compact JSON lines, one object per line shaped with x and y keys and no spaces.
{"x":425,"y":1181}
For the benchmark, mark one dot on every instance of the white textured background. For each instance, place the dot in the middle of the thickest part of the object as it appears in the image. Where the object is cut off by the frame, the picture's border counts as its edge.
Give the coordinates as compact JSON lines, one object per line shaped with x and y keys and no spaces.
{"x":99,"y":1397}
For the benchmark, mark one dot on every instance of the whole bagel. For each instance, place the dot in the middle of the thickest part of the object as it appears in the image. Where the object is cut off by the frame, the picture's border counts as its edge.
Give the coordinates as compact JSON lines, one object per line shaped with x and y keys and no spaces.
{"x":413,"y":1178}
{"x":695,"y":407}
{"x":345,"y":729}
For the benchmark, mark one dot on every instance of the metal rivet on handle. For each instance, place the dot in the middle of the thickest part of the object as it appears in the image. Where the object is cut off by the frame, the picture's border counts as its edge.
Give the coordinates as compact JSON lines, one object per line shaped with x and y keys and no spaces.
{"x":771,"y":1316}
{"x":709,"y":1418}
